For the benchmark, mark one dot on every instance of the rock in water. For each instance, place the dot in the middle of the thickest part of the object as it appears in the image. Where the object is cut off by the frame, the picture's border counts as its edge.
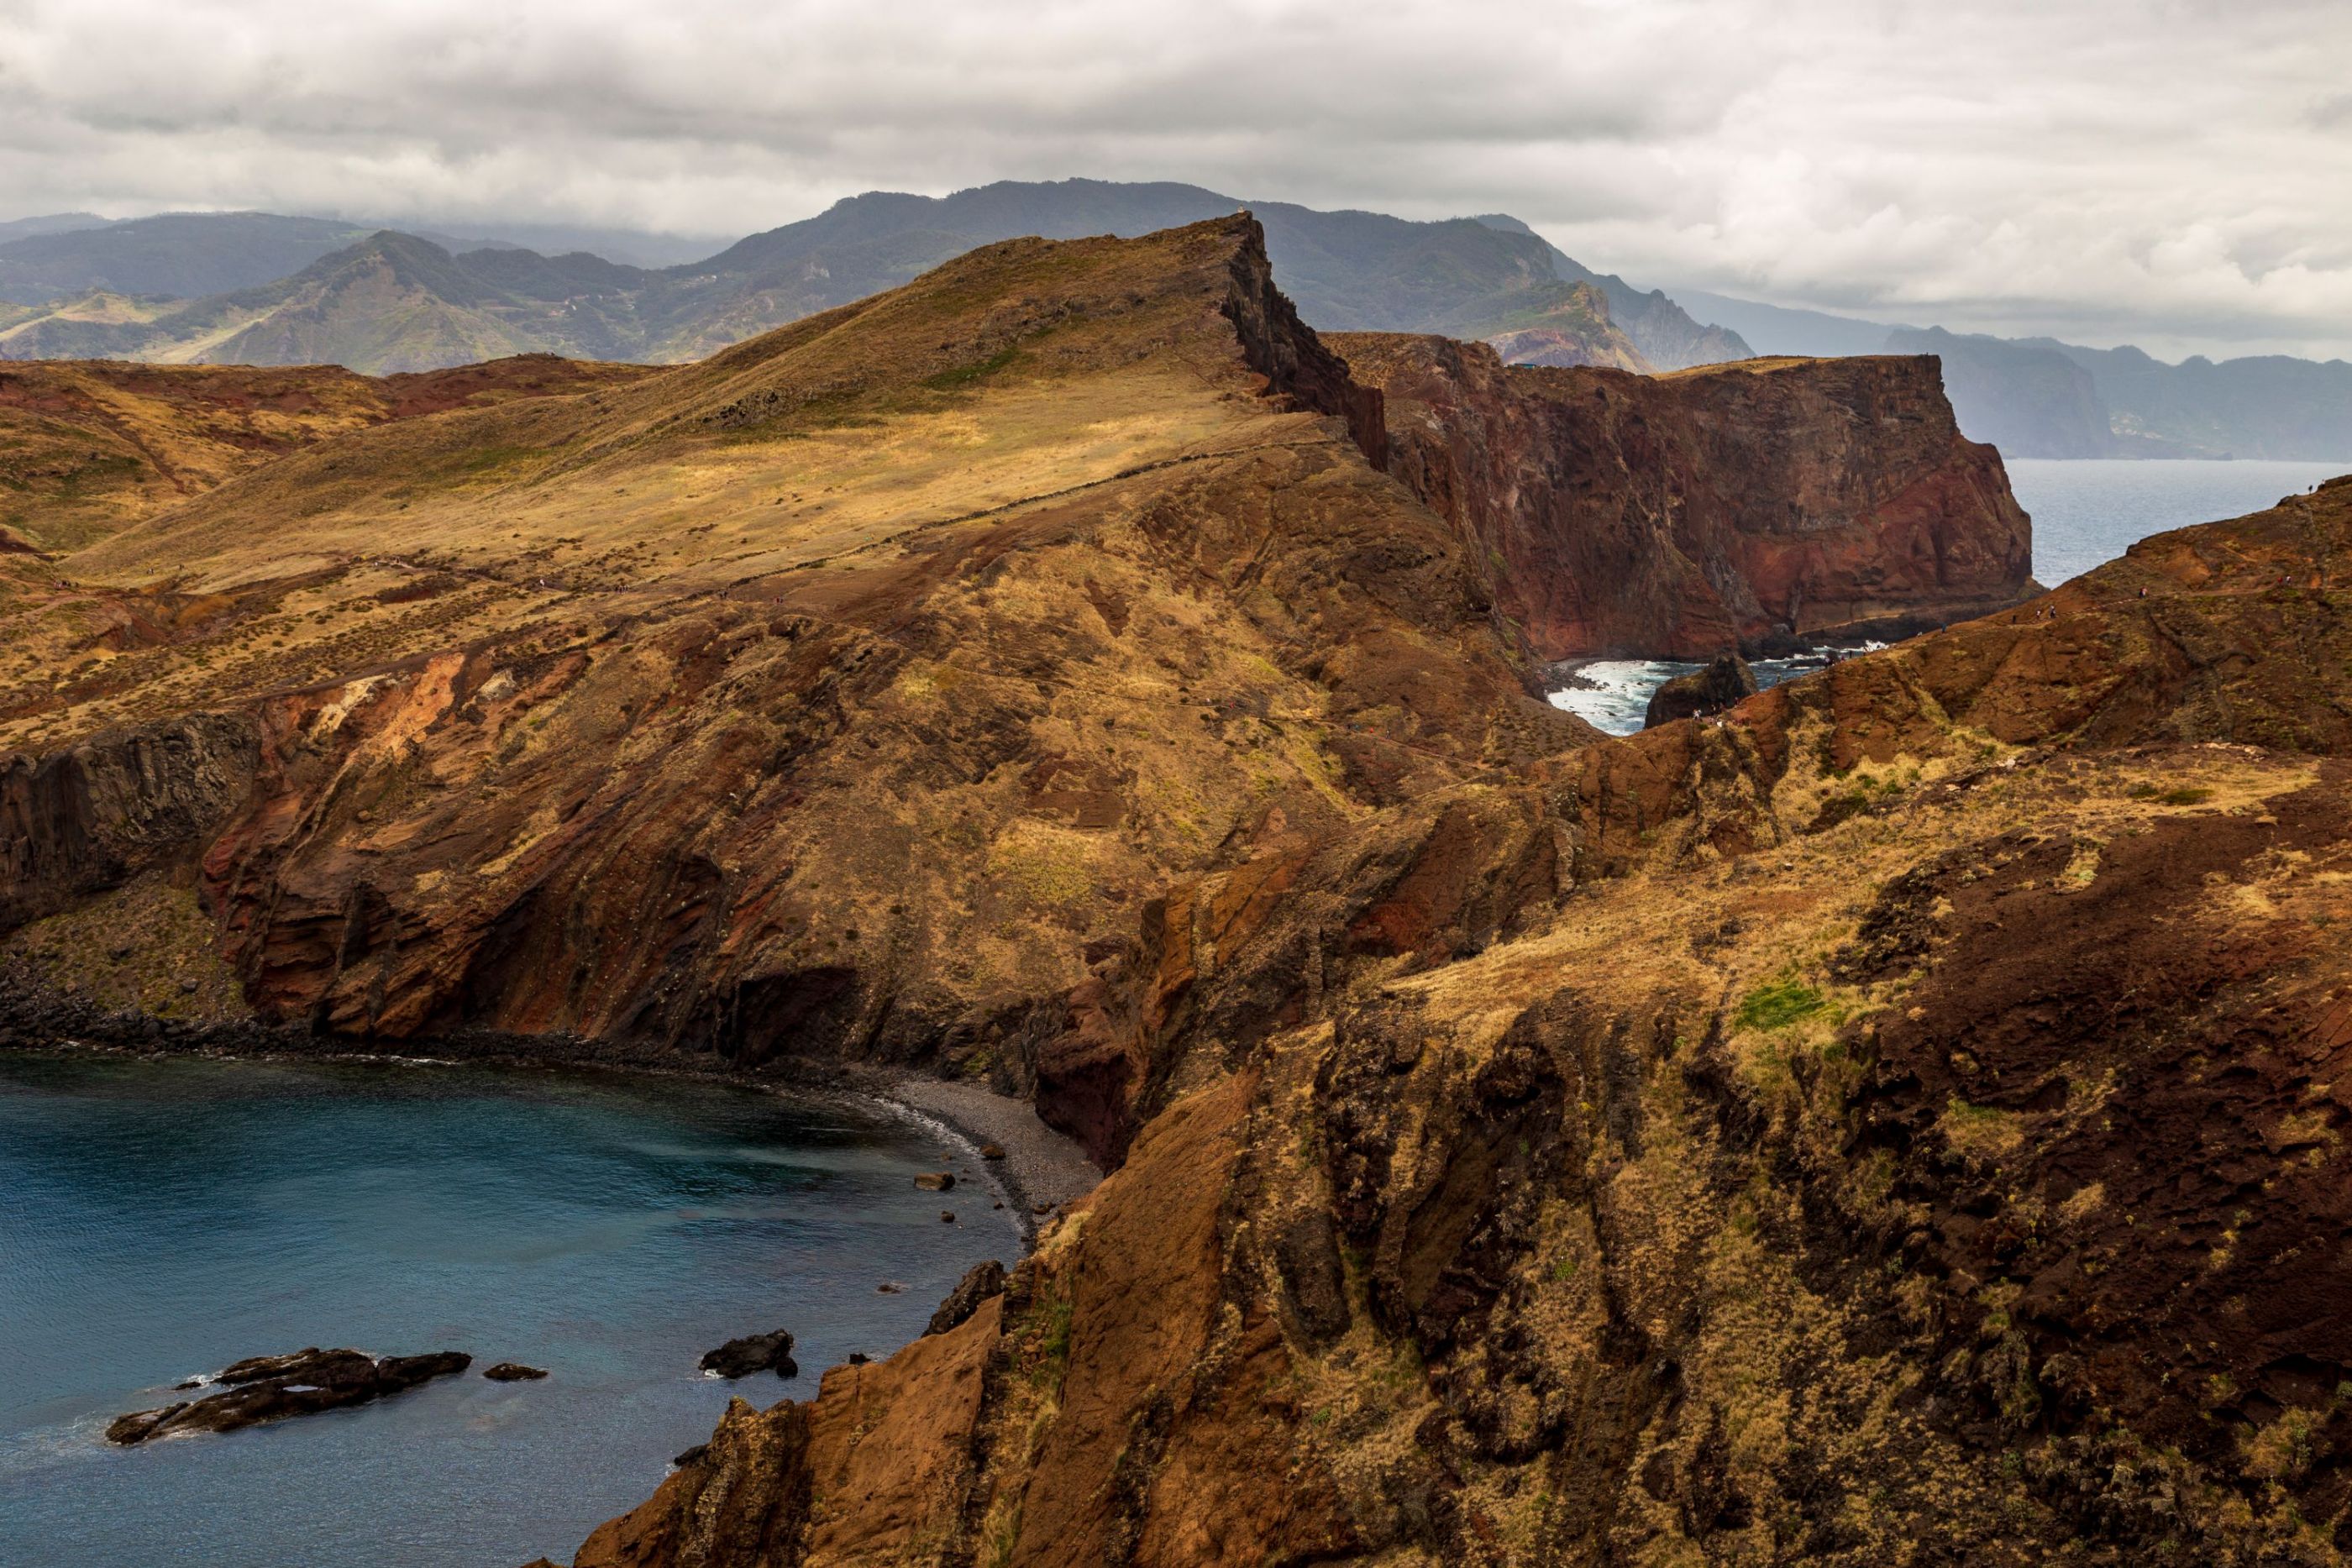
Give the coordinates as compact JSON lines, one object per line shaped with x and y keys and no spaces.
{"x":935,"y":1181}
{"x":1724,"y":684}
{"x":513,"y":1372}
{"x":273,"y":1387}
{"x":754,"y":1352}
{"x":983,"y":1281}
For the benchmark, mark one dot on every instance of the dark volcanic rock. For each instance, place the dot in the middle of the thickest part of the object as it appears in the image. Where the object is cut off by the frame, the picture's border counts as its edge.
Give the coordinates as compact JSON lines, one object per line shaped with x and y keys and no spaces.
{"x":981,"y":1281}
{"x":273,"y":1387}
{"x":513,"y":1372}
{"x":1722,"y":685}
{"x":754,"y":1352}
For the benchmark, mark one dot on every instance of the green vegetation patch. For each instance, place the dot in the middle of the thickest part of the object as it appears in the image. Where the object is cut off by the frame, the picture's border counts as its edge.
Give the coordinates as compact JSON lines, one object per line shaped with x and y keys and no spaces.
{"x":1780,"y":1003}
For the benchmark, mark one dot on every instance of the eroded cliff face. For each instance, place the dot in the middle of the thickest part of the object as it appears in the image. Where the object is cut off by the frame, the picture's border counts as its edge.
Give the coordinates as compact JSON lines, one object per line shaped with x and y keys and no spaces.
{"x":828,"y":698}
{"x":1679,"y":516}
{"x":1901,"y":1121}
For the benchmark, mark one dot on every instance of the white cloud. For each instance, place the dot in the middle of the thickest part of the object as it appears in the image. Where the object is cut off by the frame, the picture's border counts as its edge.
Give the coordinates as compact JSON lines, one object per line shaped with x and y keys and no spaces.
{"x":2171,"y":172}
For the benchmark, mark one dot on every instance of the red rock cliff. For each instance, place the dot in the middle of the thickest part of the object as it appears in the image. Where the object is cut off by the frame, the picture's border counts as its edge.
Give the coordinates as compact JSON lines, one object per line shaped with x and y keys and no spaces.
{"x":1675,"y":515}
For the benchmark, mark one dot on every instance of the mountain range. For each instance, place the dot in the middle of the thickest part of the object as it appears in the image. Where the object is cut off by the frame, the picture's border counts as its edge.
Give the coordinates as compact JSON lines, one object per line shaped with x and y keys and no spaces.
{"x":253,"y":288}
{"x":256,"y":288}
{"x":2040,"y":397}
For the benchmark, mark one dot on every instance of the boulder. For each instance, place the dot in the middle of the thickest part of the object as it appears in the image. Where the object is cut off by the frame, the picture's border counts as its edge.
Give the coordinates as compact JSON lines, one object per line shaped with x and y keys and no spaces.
{"x":1724,"y":684}
{"x":753,"y":1353}
{"x":981,"y":1281}
{"x":513,"y":1372}
{"x":273,"y":1387}
{"x":935,"y":1181}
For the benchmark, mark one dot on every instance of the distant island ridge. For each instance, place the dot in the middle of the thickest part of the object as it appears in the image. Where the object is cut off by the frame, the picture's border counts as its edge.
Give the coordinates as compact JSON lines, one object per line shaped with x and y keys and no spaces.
{"x":2039,"y":397}
{"x":259,"y":288}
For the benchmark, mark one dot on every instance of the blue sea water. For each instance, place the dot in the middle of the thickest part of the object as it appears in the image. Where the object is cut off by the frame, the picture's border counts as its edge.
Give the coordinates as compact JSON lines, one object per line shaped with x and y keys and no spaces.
{"x":161,"y":1219}
{"x":2086,"y":513}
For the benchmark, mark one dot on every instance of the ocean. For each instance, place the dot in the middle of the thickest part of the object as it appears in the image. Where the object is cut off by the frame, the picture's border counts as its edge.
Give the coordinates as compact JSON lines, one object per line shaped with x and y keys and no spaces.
{"x":162,"y":1218}
{"x":2084,"y":512}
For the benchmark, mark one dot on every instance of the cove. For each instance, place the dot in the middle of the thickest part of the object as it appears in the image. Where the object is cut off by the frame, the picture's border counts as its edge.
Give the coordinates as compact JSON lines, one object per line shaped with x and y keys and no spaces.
{"x":162,"y":1218}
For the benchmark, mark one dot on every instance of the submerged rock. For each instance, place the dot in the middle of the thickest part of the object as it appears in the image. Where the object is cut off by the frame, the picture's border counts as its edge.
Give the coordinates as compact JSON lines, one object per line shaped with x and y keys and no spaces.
{"x":513,"y":1372}
{"x":273,"y":1387}
{"x":754,"y":1352}
{"x":981,"y":1281}
{"x":935,"y":1181}
{"x":1724,"y":684}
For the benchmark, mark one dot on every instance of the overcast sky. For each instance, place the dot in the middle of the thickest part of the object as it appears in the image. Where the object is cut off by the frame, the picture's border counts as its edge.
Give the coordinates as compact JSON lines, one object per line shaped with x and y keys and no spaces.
{"x":2176,"y":175}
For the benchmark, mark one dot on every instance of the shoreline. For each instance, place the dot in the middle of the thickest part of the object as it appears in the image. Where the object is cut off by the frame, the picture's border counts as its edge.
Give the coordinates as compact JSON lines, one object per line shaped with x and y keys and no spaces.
{"x":1042,"y":1170}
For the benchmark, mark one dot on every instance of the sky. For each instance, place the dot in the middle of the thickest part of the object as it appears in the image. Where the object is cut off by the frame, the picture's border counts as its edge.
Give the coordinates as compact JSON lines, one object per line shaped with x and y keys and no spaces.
{"x":2174,"y":174}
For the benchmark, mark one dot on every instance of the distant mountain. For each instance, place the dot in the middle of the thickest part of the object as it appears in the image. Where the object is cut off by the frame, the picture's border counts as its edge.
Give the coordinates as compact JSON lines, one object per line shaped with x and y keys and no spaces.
{"x":1774,"y":330}
{"x":1666,"y":333}
{"x":2268,"y":405}
{"x":2029,"y":402}
{"x":1577,"y":331}
{"x":179,"y":255}
{"x":53,"y":224}
{"x":379,"y":302}
{"x":2013,"y":392}
{"x":393,"y":303}
{"x":1346,"y":271}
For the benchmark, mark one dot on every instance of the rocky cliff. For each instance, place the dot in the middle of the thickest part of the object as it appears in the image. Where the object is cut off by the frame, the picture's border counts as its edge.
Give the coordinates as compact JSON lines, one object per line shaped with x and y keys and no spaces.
{"x":1898,"y":1121}
{"x":1898,"y":1116}
{"x":1677,"y":516}
{"x":828,"y":697}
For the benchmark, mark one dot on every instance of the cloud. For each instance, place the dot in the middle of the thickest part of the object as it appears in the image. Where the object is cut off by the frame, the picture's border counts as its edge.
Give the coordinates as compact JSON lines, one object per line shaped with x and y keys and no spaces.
{"x":2170,"y":171}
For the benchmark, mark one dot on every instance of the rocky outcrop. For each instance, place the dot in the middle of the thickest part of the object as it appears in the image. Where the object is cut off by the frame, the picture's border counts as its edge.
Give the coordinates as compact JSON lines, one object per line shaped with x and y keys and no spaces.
{"x":1574,"y":331}
{"x":273,"y":1388}
{"x":752,"y":1352}
{"x":1903,"y":1111}
{"x":1726,"y":682}
{"x":980,"y":1282}
{"x":90,"y":817}
{"x":888,"y":1446}
{"x":1754,"y":503}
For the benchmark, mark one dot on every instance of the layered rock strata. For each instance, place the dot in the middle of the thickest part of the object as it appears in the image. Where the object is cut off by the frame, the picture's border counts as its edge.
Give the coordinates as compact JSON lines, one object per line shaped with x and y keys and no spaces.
{"x":1750,"y":504}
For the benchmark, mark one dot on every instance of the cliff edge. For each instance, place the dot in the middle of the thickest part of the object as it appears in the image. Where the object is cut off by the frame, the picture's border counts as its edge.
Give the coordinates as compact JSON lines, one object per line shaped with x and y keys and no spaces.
{"x":1752,"y":503}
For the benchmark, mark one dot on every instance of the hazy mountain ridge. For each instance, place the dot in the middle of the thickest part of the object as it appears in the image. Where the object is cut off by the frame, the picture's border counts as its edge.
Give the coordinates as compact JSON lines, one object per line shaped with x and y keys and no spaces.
{"x":1666,"y":332}
{"x":2008,"y":392}
{"x":384,"y":301}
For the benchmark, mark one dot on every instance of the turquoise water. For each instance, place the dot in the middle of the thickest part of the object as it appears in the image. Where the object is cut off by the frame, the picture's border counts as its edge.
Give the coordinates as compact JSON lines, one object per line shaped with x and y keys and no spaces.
{"x":159,"y":1219}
